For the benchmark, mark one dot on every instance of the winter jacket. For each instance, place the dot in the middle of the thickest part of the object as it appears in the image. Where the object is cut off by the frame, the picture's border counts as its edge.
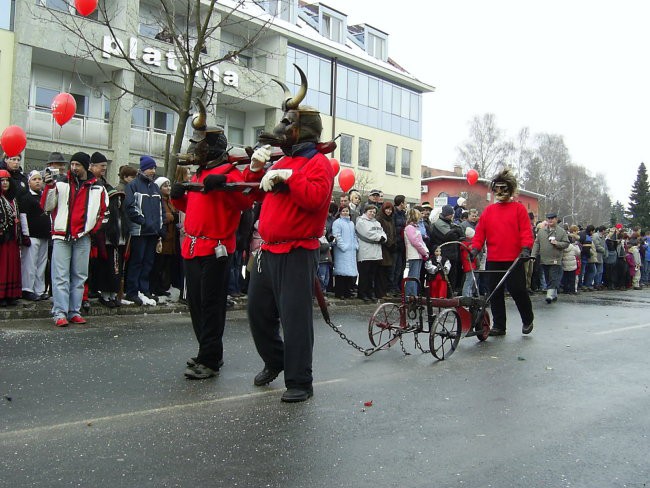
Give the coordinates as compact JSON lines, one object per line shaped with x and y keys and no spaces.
{"x":399,"y":217}
{"x":388,"y":247}
{"x":34,"y":221}
{"x":415,"y":246}
{"x":599,"y":245}
{"x":445,"y":231}
{"x":77,"y":209}
{"x":550,"y":254}
{"x":369,"y":233}
{"x":144,"y":207}
{"x":505,"y":228}
{"x":569,"y":256}
{"x":295,"y":218}
{"x":346,"y":245}
{"x":214,"y":216}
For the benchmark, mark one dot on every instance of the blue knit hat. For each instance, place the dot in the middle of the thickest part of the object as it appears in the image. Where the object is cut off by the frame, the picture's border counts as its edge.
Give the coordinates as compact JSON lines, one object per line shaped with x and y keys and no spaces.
{"x":147,"y":162}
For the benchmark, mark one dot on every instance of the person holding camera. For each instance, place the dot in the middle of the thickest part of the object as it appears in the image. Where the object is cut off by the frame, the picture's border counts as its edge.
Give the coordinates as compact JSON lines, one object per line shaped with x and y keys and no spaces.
{"x":77,"y":205}
{"x":549,"y":245}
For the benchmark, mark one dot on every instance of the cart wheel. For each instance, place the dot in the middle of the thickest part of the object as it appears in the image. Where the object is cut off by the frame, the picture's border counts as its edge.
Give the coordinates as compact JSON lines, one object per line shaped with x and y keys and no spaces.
{"x":485,"y":331}
{"x":445,"y":334}
{"x":383,"y":323}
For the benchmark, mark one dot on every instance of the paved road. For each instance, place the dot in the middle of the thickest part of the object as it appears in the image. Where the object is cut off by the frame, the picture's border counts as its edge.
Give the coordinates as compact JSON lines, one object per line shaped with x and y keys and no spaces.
{"x":107,"y":405}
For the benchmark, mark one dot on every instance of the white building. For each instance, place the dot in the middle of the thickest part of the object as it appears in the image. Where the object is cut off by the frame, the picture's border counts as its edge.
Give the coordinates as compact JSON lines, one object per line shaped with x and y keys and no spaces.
{"x":375,"y":105}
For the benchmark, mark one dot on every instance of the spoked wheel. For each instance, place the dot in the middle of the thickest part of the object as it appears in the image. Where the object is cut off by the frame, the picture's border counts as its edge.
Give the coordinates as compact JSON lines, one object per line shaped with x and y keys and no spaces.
{"x":484,"y":331}
{"x":445,"y":334}
{"x":383,"y":323}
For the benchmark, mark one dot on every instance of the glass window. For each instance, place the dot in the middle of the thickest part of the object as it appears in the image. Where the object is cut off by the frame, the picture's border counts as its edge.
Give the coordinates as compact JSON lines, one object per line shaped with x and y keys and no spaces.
{"x":140,"y":118}
{"x":44,"y":97}
{"x":406,"y":104}
{"x":397,"y":100}
{"x":364,"y":153}
{"x":325,"y":75}
{"x":6,"y":14}
{"x":373,"y":92}
{"x":236,"y":136}
{"x":332,"y":28}
{"x":346,"y":149}
{"x":163,"y":121}
{"x":57,"y":4}
{"x":353,"y":85}
{"x":107,"y":110}
{"x":415,"y":106}
{"x":386,"y":96}
{"x":313,"y":75}
{"x":391,"y":153}
{"x":406,"y":162}
{"x":342,"y":82}
{"x":82,"y":104}
{"x":363,"y":89}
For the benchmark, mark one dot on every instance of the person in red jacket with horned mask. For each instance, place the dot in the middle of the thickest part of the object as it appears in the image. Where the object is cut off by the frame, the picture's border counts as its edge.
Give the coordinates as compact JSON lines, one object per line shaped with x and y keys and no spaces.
{"x":211,"y":220}
{"x":505,"y":228}
{"x":299,"y":189}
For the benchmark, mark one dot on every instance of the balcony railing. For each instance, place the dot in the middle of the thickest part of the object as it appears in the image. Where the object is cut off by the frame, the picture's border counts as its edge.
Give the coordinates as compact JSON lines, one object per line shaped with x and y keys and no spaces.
{"x":90,"y":132}
{"x":82,"y":130}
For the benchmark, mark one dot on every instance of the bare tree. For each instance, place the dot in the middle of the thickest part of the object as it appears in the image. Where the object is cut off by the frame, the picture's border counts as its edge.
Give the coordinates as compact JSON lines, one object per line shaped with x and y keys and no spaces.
{"x":487,"y":151}
{"x":189,"y":28}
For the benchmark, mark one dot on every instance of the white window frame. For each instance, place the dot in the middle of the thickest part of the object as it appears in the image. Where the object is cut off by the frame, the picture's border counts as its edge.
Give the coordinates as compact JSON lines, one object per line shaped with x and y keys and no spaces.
{"x":333,"y":24}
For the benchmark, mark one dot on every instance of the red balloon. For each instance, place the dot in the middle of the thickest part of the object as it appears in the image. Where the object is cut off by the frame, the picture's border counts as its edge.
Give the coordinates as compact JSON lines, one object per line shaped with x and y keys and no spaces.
{"x":13,"y":140}
{"x":64,"y":106}
{"x":335,"y":166}
{"x":85,"y":7}
{"x":346,"y":179}
{"x":619,"y":226}
{"x":472,"y":176}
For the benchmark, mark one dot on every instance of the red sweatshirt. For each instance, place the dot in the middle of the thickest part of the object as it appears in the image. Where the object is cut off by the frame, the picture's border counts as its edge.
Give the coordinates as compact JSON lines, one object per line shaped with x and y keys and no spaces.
{"x":505,"y":228}
{"x":212,"y":217}
{"x":296,"y":218}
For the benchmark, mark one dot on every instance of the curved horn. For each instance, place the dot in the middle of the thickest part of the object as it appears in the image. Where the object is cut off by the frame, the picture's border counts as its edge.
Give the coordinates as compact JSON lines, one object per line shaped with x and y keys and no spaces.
{"x":199,"y":121}
{"x":294,"y":102}
{"x":287,"y":94}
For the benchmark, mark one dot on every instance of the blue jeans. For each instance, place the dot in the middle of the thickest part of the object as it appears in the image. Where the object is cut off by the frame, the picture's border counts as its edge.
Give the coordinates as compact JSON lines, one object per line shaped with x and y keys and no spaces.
{"x":69,"y":273}
{"x":143,"y":251}
{"x":415,"y":266}
{"x":598,"y":281}
{"x":590,"y":274}
{"x":324,"y":275}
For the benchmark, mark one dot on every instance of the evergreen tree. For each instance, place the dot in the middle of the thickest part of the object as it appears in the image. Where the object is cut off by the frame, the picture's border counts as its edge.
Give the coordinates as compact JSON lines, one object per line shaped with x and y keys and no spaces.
{"x":617,"y":215}
{"x":639,"y":208}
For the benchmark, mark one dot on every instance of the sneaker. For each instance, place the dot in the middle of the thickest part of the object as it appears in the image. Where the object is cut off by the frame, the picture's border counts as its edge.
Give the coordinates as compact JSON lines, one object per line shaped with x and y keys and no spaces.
{"x":106,"y":303}
{"x":77,"y":319}
{"x":151,"y":296}
{"x":61,"y":322}
{"x":44,"y":296}
{"x":265,"y":377}
{"x":527,"y":329}
{"x":135,"y":299}
{"x":199,"y":372}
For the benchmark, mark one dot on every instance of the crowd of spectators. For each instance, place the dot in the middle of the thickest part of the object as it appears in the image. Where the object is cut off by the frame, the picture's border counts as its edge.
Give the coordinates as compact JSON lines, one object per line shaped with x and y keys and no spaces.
{"x":121,"y":244}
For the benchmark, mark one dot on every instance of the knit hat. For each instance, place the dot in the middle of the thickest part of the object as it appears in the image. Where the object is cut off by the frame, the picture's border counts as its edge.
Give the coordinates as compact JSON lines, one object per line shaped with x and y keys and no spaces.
{"x":81,"y":158}
{"x":33,"y":173}
{"x":98,"y":158}
{"x":447,"y":210}
{"x":160,"y":181}
{"x":147,"y":162}
{"x":469,"y":232}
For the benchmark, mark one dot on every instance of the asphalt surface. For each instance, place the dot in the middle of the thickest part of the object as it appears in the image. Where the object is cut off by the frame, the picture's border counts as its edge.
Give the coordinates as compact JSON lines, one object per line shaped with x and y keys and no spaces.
{"x":106,"y":405}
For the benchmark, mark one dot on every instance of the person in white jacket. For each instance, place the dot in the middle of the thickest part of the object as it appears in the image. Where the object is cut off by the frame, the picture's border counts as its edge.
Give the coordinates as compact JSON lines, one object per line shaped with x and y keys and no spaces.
{"x":371,"y":235}
{"x":569,"y":266}
{"x":416,"y":250}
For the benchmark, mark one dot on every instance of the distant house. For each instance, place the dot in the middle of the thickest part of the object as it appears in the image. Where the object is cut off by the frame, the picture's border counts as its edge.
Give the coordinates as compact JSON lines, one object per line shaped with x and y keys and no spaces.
{"x":441,"y":187}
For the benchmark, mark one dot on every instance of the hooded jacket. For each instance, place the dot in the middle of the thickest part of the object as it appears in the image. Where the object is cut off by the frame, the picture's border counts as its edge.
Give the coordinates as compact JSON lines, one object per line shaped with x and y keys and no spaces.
{"x":144,"y":207}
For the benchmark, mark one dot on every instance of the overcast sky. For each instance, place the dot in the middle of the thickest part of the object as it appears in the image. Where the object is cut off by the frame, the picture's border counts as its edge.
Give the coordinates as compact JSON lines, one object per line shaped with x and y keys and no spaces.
{"x":576,"y":68}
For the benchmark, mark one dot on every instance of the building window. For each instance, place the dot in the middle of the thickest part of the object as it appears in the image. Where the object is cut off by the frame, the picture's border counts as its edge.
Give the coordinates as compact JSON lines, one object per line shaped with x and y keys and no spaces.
{"x":7,"y":12}
{"x":283,"y":9}
{"x":82,"y":104}
{"x":235,"y":136}
{"x":44,"y":97}
{"x":332,"y":28}
{"x":376,"y":46}
{"x":163,"y":121}
{"x":68,"y":6}
{"x":346,"y":149}
{"x":391,"y":155}
{"x":364,"y":153}
{"x":319,"y":75}
{"x":406,"y":162}
{"x":139,"y":118}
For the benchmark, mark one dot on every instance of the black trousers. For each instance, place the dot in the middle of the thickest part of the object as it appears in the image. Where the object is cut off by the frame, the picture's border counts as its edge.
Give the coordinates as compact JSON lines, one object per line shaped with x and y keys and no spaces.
{"x":343,"y":286}
{"x":280,"y":292}
{"x":516,"y":283}
{"x":368,"y":279}
{"x":207,"y":289}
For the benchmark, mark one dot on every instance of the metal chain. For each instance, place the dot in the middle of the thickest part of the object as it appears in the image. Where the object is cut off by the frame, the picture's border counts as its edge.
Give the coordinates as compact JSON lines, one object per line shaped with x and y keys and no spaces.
{"x":418,"y":345}
{"x":401,"y":344}
{"x":366,"y":351}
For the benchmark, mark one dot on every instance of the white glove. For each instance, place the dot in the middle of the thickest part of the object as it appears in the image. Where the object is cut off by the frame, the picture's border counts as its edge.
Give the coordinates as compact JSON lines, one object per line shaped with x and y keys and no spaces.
{"x":260,"y":157}
{"x":430,"y":268}
{"x":274,"y":176}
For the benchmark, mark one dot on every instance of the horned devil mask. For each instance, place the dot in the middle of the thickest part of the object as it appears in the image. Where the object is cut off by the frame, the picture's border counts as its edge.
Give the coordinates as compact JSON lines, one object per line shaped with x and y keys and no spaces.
{"x":208,"y":144}
{"x":299,"y":123}
{"x":504,"y":186}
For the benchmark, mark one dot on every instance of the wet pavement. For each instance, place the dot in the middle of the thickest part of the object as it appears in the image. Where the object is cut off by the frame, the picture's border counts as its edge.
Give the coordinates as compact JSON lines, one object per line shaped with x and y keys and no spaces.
{"x":107,"y":405}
